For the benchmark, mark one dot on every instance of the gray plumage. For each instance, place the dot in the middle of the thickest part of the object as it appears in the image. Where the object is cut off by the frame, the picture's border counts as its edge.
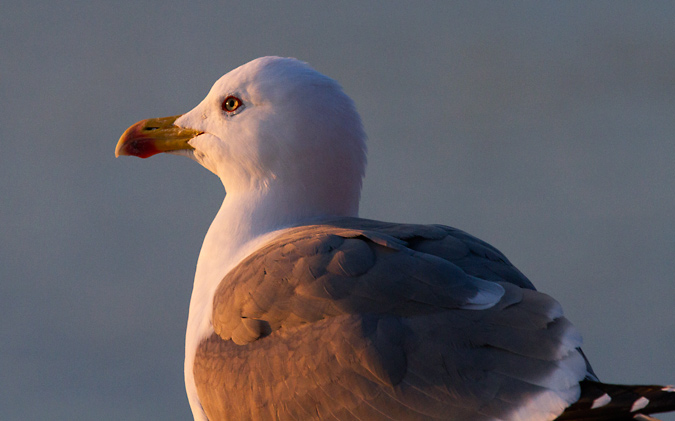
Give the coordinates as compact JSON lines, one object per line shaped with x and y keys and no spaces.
{"x":358,"y":319}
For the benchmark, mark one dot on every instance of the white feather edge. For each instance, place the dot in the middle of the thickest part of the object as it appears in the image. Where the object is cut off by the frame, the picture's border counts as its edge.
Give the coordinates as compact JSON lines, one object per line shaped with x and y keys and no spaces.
{"x":639,"y":404}
{"x":562,"y":385}
{"x":601,"y":401}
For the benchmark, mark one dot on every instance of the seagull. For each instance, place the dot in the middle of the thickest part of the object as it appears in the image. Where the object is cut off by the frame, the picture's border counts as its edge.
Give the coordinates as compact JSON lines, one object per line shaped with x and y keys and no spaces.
{"x":301,"y":310}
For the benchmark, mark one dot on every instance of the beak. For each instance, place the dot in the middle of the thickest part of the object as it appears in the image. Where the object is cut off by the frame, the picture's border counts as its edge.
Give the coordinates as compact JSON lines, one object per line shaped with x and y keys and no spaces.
{"x":149,"y":137}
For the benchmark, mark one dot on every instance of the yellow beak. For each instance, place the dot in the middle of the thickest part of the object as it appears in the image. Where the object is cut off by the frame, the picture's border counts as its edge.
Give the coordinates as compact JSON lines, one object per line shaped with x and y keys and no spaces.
{"x":149,"y":137}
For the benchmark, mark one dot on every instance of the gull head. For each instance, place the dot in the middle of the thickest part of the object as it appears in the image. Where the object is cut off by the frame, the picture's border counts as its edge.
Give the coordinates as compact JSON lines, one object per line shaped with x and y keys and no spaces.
{"x":273,"y":123}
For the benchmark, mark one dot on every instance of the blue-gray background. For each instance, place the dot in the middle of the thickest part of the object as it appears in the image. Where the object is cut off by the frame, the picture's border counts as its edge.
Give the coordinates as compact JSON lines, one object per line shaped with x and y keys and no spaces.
{"x":544,"y":128}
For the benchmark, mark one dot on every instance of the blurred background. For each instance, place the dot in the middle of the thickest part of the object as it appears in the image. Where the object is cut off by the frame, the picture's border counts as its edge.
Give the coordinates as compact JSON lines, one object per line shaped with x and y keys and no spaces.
{"x":544,"y":128}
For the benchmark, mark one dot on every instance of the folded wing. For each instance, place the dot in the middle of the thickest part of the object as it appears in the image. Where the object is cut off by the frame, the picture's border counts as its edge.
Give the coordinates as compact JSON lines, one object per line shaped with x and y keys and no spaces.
{"x":357,"y":319}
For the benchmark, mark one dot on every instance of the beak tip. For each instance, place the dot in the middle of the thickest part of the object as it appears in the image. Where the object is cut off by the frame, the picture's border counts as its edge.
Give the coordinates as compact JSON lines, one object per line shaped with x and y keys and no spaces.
{"x":120,"y":148}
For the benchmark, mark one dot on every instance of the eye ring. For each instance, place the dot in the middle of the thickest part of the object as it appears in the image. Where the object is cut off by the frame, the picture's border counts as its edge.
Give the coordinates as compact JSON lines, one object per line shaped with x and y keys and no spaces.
{"x":231,"y":104}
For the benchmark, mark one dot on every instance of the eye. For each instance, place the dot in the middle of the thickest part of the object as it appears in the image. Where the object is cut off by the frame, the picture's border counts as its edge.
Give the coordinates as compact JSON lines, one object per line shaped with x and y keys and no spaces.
{"x":231,"y":104}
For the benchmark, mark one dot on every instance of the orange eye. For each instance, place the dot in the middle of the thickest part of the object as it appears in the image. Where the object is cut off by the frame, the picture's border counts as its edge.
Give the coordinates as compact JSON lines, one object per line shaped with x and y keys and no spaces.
{"x":231,"y":104}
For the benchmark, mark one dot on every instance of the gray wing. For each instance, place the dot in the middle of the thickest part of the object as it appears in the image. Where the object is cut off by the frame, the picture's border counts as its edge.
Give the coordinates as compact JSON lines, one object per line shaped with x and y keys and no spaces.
{"x":359,"y":319}
{"x":474,"y":256}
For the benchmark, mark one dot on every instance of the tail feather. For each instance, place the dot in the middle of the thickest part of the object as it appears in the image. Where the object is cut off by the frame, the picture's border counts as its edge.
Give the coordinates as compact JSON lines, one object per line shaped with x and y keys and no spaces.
{"x":606,"y":402}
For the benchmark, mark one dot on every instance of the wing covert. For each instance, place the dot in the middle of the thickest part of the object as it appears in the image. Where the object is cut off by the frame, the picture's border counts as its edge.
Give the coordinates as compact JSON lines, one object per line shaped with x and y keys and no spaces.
{"x":304,"y":276}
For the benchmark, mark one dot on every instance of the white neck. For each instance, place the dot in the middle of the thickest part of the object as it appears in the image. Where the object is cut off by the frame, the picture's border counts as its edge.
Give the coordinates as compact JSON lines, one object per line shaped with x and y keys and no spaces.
{"x":246,"y":221}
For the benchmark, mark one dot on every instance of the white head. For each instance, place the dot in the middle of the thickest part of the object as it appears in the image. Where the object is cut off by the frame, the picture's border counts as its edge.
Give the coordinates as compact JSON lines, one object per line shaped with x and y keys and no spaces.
{"x":273,"y":123}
